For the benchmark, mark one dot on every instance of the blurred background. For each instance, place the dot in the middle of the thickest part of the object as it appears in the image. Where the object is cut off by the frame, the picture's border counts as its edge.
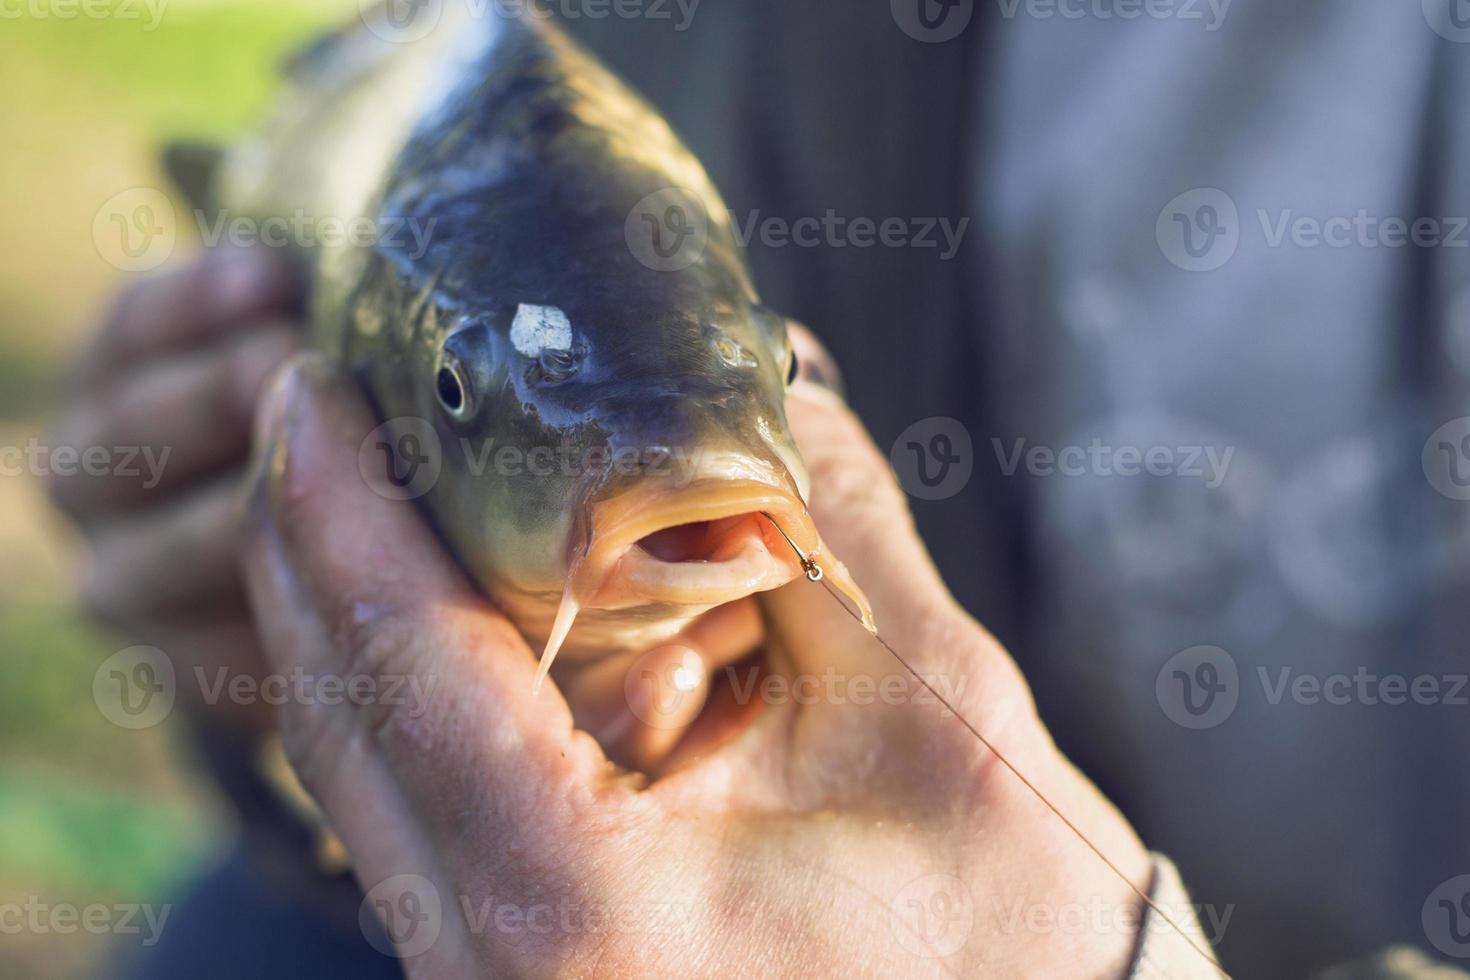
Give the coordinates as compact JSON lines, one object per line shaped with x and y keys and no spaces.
{"x":90,"y":812}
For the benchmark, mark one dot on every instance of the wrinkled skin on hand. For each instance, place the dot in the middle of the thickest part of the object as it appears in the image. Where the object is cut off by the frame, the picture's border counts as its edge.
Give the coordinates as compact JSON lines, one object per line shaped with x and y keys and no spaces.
{"x":816,"y":836}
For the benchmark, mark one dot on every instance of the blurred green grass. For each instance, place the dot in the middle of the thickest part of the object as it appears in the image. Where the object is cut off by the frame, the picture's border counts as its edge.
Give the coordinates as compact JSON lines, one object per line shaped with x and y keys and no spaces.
{"x":89,"y":812}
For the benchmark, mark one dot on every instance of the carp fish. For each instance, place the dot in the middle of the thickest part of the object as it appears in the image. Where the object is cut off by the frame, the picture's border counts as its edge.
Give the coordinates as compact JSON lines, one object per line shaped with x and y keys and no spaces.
{"x":573,"y":346}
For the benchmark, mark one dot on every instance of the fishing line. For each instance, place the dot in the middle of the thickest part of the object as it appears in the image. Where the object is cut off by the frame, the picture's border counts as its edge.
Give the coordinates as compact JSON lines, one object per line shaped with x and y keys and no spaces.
{"x":814,"y":574}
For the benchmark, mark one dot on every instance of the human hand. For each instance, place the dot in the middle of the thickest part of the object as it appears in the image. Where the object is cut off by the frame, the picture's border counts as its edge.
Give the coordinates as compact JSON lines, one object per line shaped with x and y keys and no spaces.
{"x":827,"y":837}
{"x":172,"y":379}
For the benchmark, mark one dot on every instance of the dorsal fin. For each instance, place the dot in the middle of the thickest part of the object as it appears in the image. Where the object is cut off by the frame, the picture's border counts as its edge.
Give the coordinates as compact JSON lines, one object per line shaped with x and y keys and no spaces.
{"x":192,"y":165}
{"x":327,"y":55}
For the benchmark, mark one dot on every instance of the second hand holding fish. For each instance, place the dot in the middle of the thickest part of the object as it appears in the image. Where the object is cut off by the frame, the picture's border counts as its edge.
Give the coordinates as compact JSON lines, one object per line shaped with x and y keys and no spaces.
{"x":491,"y":794}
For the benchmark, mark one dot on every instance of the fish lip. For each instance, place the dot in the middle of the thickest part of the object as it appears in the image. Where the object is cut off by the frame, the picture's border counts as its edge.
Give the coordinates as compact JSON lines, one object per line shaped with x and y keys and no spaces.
{"x":622,"y":574}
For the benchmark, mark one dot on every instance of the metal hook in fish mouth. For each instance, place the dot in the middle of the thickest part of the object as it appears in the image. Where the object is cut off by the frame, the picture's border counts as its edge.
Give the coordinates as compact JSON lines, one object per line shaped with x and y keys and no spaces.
{"x":813,"y":570}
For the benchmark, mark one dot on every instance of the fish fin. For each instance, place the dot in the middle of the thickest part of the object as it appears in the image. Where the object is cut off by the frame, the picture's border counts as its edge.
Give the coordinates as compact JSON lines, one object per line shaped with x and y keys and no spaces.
{"x":192,"y":166}
{"x":327,"y":56}
{"x":314,"y":58}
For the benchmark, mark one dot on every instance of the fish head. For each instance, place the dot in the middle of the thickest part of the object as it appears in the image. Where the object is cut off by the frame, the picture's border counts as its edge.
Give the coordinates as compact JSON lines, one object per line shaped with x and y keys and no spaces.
{"x":584,"y":442}
{"x":626,"y":464}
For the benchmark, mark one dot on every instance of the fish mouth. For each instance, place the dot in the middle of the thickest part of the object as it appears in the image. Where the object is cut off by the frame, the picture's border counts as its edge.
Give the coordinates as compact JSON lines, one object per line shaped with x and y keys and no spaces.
{"x":697,"y":546}
{"x":704,"y":545}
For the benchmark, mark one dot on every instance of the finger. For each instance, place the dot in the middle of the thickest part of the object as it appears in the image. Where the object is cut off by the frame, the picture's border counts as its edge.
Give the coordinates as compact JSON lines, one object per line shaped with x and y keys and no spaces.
{"x":864,"y":519}
{"x":339,"y":759}
{"x":185,"y":418}
{"x":346,"y":583}
{"x":181,"y":555}
{"x":190,"y":305}
{"x":640,"y":705}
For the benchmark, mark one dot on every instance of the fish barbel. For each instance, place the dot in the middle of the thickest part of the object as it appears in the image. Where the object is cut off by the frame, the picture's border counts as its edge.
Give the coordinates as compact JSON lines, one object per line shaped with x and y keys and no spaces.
{"x":571,"y":323}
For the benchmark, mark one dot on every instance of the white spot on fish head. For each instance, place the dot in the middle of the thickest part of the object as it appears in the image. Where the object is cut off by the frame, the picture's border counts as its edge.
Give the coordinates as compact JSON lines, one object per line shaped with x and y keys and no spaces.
{"x":540,"y":328}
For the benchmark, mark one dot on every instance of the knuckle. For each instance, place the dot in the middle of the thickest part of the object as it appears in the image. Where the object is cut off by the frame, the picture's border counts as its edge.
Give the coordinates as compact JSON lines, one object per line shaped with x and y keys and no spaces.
{"x":378,"y":658}
{"x":373,"y":640}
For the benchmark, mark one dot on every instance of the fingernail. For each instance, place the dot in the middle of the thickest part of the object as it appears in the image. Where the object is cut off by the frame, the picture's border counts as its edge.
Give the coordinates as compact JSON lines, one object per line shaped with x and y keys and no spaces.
{"x":270,"y":457}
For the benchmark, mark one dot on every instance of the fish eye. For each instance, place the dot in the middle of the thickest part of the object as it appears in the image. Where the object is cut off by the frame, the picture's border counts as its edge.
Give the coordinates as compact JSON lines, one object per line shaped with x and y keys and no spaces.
{"x":792,"y":369}
{"x":452,"y":387}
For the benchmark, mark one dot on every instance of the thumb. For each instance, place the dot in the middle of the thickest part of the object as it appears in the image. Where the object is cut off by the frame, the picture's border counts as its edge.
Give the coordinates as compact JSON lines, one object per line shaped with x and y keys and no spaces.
{"x":863,"y":517}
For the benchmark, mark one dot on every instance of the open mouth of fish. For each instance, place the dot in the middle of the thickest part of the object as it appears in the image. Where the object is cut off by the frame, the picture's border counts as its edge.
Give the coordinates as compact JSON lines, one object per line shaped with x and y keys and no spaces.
{"x":699,"y":546}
